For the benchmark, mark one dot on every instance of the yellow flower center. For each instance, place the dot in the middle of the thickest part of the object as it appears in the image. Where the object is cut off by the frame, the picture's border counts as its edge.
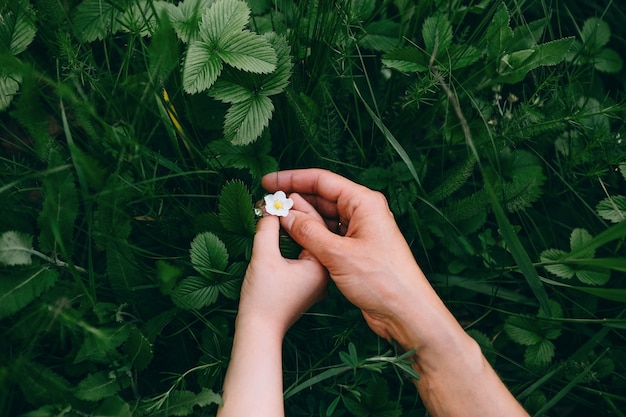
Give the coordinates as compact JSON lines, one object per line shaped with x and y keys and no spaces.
{"x":278,"y":204}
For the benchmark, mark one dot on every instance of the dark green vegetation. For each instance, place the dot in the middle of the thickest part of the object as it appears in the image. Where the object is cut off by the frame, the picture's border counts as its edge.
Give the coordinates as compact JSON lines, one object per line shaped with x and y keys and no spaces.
{"x":133,"y":136}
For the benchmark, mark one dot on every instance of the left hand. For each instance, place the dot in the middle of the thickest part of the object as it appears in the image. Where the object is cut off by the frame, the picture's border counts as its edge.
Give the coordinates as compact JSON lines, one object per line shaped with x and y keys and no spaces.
{"x":277,"y":291}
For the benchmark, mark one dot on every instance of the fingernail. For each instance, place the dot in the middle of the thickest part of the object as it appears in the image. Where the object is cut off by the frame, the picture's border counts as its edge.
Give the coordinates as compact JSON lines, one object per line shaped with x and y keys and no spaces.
{"x":288,"y":220}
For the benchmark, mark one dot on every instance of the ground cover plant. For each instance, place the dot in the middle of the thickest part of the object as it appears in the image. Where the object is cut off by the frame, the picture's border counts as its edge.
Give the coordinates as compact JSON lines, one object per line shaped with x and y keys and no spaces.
{"x":134,"y":134}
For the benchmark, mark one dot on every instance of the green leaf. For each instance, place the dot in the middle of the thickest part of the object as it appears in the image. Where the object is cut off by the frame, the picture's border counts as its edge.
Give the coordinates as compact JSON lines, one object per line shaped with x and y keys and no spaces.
{"x":194,"y":293}
{"x":17,"y":26}
{"x":254,"y":156}
{"x":224,"y":18}
{"x":540,"y":354}
{"x":247,"y":51}
{"x":236,"y":210}
{"x":16,"y":248}
{"x":453,"y":180}
{"x":614,"y":232}
{"x":578,"y":241}
{"x":523,"y":330}
{"x":42,"y":384}
{"x":406,"y":60}
{"x":519,"y":180}
{"x":97,"y":386}
{"x":516,"y":65}
{"x":245,"y":121}
{"x":569,"y":266}
{"x":201,"y":68}
{"x":382,"y":35}
{"x":182,"y":403}
{"x":236,"y":87}
{"x":514,"y":61}
{"x":138,"y":349}
{"x":100,"y":344}
{"x":556,"y":311}
{"x":22,"y":286}
{"x":499,"y":34}
{"x":167,"y":275}
{"x":535,"y":333}
{"x":186,"y":18}
{"x":277,"y":80}
{"x":526,"y":36}
{"x":208,"y":254}
{"x":595,"y":33}
{"x":437,"y":33}
{"x":229,"y":284}
{"x":552,"y":53}
{"x":351,"y":358}
{"x":9,"y":86}
{"x":207,"y":397}
{"x":559,"y":269}
{"x":462,"y":56}
{"x":95,"y":19}
{"x":593,"y":277}
{"x":607,"y":60}
{"x":230,"y":92}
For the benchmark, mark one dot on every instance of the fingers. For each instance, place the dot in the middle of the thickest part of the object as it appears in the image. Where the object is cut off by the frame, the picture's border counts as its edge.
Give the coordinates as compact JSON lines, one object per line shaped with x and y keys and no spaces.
{"x":313,"y":235}
{"x":266,"y":239}
{"x":318,"y":182}
{"x":301,"y":204}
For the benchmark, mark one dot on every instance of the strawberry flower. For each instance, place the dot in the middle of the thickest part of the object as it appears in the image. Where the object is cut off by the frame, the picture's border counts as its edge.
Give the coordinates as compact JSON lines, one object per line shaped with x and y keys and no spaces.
{"x":278,"y":204}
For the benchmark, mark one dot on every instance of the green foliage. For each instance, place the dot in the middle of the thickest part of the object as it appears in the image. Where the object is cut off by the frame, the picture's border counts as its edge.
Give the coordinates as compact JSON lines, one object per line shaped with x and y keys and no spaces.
{"x":23,"y":286}
{"x":17,"y":32}
{"x":536,"y":334}
{"x":133,"y":137}
{"x":592,"y":48}
{"x":579,"y":240}
{"x":510,"y":54}
{"x":222,"y":39}
{"x":15,"y":248}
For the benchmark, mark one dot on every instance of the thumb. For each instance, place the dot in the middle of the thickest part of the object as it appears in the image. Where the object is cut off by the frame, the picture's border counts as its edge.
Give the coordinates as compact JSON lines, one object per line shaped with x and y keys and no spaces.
{"x":314,"y":236}
{"x":266,"y":238}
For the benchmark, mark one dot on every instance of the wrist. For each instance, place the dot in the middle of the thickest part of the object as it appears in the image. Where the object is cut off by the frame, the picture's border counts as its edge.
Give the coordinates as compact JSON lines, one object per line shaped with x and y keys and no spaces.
{"x":423,"y":323}
{"x":262,"y":324}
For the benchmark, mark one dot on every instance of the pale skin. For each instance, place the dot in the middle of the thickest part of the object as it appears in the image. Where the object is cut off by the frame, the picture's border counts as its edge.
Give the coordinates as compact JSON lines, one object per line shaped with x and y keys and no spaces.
{"x":373,"y":266}
{"x":274,"y":294}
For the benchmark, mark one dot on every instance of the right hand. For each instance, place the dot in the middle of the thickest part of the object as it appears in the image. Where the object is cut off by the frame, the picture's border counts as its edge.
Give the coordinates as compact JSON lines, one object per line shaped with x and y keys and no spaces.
{"x":371,"y":264}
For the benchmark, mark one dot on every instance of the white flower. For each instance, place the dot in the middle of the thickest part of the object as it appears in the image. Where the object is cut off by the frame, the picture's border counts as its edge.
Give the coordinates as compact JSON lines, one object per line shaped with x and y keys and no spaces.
{"x":278,"y":204}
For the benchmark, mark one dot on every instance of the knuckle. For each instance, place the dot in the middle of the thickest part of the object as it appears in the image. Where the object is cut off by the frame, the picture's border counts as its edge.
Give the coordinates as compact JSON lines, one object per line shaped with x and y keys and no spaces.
{"x":306,"y":229}
{"x":379,"y":200}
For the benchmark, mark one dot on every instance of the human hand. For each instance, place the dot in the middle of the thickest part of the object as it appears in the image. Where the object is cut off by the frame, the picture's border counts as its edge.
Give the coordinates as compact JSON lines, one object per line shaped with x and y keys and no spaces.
{"x":277,"y":290}
{"x":371,"y":264}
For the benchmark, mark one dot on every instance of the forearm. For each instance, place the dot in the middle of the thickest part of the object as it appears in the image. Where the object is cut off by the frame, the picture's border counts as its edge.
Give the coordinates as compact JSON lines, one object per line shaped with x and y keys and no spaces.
{"x":456,"y":379}
{"x":254,"y":381}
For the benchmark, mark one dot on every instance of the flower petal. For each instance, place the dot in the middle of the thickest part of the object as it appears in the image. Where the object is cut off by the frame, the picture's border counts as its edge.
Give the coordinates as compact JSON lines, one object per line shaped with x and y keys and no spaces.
{"x":278,"y":204}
